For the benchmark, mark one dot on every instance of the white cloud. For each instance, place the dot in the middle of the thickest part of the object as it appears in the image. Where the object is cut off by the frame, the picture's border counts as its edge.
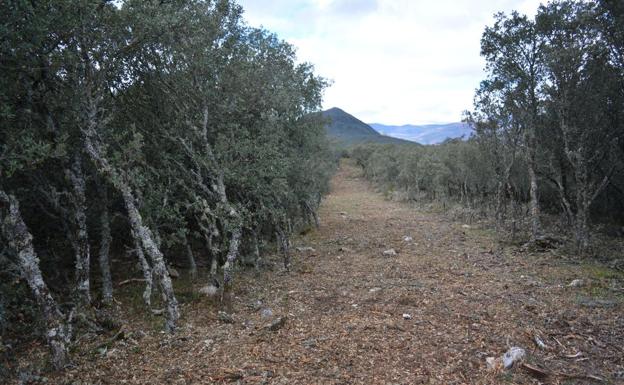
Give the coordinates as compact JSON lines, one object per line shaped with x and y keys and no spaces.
{"x":391,"y":61}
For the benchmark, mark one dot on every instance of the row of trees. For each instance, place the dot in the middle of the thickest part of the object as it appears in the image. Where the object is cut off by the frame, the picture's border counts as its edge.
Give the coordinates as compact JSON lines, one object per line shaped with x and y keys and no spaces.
{"x":152,"y":125}
{"x":548,"y":120}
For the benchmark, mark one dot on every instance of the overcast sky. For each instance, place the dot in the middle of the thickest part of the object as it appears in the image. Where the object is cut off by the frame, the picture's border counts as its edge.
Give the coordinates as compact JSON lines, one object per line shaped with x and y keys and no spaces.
{"x":391,"y":61}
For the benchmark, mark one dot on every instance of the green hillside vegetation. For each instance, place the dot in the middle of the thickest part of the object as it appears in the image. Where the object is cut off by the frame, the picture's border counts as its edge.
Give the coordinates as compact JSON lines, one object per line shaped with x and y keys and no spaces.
{"x":345,"y":130}
{"x":548,"y":150}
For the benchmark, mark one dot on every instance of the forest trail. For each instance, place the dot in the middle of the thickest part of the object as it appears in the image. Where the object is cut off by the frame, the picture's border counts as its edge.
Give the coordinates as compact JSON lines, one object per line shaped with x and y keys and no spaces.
{"x":468,"y":299}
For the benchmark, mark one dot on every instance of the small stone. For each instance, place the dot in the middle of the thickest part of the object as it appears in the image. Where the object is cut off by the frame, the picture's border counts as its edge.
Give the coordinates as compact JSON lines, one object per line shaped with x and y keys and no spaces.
{"x":305,"y":249}
{"x":407,"y":238}
{"x":277,"y":324}
{"x":266,"y":313}
{"x":173,"y":273}
{"x":513,"y":355}
{"x":596,"y":303}
{"x":407,"y":316}
{"x":225,"y":317}
{"x":390,"y":253}
{"x":256,"y":305}
{"x":576,"y":283}
{"x":492,"y":363}
{"x":374,"y":289}
{"x":209,"y":290}
{"x":465,"y":226}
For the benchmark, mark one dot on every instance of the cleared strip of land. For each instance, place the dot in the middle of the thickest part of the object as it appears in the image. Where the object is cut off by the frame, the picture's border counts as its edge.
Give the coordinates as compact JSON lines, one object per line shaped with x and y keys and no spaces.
{"x":466,"y":298}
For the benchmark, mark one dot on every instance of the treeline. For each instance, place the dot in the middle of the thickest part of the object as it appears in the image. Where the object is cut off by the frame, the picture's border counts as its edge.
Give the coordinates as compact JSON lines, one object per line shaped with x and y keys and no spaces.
{"x":548,"y":121}
{"x":166,"y":128}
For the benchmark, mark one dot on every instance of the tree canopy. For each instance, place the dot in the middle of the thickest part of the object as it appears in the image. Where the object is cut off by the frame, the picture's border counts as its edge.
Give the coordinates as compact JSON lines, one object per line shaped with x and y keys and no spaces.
{"x":157,"y":126}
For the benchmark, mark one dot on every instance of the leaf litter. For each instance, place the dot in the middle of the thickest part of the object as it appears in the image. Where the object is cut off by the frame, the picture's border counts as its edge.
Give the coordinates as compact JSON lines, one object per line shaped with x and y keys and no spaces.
{"x":342,"y":318}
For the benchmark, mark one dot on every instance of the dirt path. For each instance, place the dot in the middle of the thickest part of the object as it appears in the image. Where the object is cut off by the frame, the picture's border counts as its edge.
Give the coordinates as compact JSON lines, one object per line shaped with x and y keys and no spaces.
{"x":468,"y":299}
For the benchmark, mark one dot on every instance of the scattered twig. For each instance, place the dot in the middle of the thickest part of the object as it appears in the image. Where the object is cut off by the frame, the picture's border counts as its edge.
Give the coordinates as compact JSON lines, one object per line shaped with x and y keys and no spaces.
{"x":131,"y":280}
{"x":582,"y":376}
{"x":540,"y":373}
{"x":539,"y":342}
{"x":535,"y":371}
{"x":120,"y":335}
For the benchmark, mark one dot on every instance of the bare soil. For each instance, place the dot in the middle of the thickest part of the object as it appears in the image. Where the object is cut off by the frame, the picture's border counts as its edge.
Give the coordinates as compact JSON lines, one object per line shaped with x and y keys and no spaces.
{"x":468,"y":297}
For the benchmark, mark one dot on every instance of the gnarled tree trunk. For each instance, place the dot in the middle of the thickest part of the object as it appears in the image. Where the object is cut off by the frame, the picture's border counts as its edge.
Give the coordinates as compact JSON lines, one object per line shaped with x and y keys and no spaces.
{"x":57,"y":333}
{"x":141,"y":233}
{"x":218,"y":186}
{"x":191,"y":258}
{"x":283,"y":244}
{"x":146,"y":269}
{"x":80,"y":237}
{"x":104,"y":253}
{"x":586,"y":193}
{"x":228,"y":267}
{"x":536,"y":228}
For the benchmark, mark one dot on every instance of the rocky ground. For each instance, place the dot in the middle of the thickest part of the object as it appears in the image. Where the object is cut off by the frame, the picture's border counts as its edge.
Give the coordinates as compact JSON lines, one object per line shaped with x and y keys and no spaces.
{"x":435,"y":310}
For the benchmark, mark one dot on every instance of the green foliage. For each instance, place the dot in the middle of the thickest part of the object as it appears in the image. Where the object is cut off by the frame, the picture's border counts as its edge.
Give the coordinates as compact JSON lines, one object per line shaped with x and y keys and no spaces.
{"x":455,"y":169}
{"x":182,"y":96}
{"x":552,"y":103}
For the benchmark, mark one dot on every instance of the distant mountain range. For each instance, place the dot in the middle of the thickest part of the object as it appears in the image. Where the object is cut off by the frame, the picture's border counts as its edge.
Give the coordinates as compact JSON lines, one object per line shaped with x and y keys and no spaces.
{"x":345,"y":130}
{"x":426,"y":134}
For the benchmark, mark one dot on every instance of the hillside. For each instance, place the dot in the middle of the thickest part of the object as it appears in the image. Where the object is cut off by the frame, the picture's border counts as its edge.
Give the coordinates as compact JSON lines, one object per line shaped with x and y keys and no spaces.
{"x":346,"y":130}
{"x":425,"y":134}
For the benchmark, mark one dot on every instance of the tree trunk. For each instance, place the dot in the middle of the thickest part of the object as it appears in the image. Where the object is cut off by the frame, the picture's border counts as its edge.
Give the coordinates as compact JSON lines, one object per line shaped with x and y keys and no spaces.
{"x":218,"y":186}
{"x":159,"y":268}
{"x":499,"y":217}
{"x":80,"y":237}
{"x":228,"y":267}
{"x":147,"y":271}
{"x":582,"y":206}
{"x":140,"y":232}
{"x":586,"y":191}
{"x":582,"y":230}
{"x":191,"y":258}
{"x":57,"y":331}
{"x":214,"y":266}
{"x":256,"y":249}
{"x":313,"y":213}
{"x":105,"y":241}
{"x":534,"y":199}
{"x":283,"y":243}
{"x":560,"y":181}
